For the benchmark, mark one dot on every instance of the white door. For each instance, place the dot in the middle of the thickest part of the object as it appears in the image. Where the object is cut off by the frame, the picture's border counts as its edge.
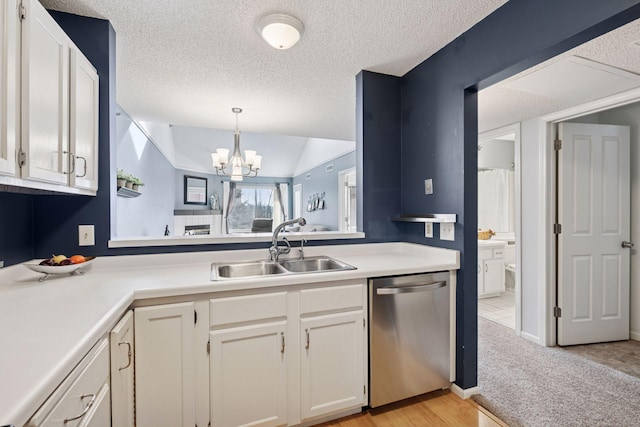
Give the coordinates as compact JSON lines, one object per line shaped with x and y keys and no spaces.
{"x":45,"y":96}
{"x":165,"y":367}
{"x":8,"y":84}
{"x":594,"y":212}
{"x":248,"y":376}
{"x":332,"y":370}
{"x":83,"y":124}
{"x":121,"y":342}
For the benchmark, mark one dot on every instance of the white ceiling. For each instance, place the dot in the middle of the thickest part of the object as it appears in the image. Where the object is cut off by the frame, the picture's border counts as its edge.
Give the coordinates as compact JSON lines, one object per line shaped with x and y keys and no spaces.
{"x":189,"y":62}
{"x":565,"y":81}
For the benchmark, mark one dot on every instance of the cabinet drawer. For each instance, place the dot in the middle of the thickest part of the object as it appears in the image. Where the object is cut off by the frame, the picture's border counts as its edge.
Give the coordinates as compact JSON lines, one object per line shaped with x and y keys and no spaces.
{"x":80,"y":390}
{"x":484,"y":254}
{"x":247,"y":308}
{"x":331,"y":298}
{"x":498,"y":253}
{"x":100,"y":413}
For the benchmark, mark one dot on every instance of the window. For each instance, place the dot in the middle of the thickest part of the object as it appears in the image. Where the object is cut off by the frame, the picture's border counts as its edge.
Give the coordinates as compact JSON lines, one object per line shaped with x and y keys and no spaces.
{"x":255,"y":201}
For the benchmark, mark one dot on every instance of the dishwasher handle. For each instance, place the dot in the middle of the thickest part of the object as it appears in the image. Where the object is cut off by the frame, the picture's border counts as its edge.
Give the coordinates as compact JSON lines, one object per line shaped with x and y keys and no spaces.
{"x":420,"y":287}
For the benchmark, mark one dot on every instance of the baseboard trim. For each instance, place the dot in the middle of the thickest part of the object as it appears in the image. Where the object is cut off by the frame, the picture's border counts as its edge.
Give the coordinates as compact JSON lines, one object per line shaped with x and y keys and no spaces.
{"x":529,"y":337}
{"x":464,"y":393}
{"x":634,"y":335}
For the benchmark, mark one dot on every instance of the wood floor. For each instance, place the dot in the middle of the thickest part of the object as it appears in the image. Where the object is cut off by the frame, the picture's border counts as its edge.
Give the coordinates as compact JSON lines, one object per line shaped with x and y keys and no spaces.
{"x":439,"y":408}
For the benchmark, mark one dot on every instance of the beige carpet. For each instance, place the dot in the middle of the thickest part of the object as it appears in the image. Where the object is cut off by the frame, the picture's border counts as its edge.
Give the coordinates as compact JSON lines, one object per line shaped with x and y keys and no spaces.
{"x":528,"y":385}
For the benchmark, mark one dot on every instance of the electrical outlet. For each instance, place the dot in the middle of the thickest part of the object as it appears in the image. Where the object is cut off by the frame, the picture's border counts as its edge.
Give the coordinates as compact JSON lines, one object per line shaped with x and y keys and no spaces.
{"x":86,"y":235}
{"x":428,"y":186}
{"x":447,"y":231}
{"x":428,"y":229}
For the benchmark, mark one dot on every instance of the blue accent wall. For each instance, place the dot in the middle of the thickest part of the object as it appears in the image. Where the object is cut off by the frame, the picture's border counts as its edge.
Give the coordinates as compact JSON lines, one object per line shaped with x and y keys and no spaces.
{"x":439,"y":123}
{"x":16,"y":228}
{"x":378,"y":161}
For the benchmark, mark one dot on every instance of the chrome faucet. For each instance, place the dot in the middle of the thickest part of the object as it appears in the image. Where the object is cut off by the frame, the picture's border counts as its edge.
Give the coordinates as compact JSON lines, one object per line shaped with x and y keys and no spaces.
{"x":275,"y":250}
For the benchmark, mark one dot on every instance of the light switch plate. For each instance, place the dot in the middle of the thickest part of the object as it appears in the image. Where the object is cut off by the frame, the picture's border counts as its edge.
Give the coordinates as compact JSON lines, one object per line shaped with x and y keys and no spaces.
{"x":428,"y":186}
{"x":428,"y":229}
{"x":86,"y":235}
{"x":447,"y":231}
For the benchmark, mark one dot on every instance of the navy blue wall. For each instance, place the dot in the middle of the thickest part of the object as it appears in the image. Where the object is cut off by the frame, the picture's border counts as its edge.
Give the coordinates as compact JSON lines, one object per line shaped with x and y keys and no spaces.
{"x":16,"y":228}
{"x":378,"y":162}
{"x":439,"y":123}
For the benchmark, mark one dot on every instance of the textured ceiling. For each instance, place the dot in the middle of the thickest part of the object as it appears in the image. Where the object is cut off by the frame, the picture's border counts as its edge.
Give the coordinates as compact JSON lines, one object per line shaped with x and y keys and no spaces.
{"x":500,"y":105}
{"x":189,"y":62}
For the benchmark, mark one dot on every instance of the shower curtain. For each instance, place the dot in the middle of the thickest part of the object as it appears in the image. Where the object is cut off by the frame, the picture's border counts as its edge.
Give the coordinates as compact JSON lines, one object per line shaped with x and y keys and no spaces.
{"x":496,"y":191}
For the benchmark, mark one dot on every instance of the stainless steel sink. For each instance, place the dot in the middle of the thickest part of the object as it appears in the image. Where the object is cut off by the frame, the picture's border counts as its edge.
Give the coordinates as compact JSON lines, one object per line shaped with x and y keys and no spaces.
{"x":314,"y":265}
{"x":267,"y":268}
{"x":245,"y":269}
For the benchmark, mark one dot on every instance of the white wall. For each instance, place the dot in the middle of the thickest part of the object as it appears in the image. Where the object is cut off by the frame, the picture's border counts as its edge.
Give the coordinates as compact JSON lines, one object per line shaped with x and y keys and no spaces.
{"x":630,"y":116}
{"x":532,"y":278}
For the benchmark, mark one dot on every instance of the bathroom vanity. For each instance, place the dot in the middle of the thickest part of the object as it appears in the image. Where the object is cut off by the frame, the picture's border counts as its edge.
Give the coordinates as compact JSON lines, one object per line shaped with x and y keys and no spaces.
{"x":491,"y":274}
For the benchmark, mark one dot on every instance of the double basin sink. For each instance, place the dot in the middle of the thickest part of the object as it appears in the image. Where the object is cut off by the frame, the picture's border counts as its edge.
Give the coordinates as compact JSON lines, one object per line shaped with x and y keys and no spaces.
{"x":250,"y":269}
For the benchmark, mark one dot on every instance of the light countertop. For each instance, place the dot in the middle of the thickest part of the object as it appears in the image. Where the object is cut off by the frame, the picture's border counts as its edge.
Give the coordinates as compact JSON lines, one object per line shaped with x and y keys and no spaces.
{"x":47,"y":327}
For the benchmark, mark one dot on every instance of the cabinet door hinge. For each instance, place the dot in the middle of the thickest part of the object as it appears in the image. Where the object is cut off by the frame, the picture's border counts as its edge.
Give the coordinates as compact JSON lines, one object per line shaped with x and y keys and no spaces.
{"x":209,"y":346}
{"x":557,"y":312}
{"x":195,"y":317}
{"x":557,"y":228}
{"x":364,"y":323}
{"x":22,"y":12}
{"x":364,"y":389}
{"x":557,"y":144}
{"x":209,"y":425}
{"x":22,"y":158}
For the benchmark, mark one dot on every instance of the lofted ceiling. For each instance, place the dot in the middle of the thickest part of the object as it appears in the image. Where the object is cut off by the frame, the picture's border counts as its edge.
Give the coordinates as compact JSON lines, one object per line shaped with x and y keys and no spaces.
{"x":188,"y":63}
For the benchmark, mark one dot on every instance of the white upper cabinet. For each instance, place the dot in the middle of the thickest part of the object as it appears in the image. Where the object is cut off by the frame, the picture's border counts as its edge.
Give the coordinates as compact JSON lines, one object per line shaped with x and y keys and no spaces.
{"x":48,"y":104}
{"x":45,"y":96}
{"x":9,"y":66}
{"x":83,"y":124}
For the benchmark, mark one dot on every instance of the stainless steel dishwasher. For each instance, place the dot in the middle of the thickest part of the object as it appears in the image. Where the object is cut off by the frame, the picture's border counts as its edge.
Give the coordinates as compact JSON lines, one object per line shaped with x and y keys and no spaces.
{"x":409,"y":336}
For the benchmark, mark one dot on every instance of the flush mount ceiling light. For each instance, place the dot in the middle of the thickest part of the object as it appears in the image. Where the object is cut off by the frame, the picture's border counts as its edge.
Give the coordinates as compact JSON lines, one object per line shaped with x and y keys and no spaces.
{"x":280,"y":31}
{"x":240,"y":167}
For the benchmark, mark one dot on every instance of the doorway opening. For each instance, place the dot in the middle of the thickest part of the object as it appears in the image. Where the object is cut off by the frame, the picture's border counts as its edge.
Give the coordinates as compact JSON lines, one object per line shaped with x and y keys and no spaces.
{"x":499,"y":226}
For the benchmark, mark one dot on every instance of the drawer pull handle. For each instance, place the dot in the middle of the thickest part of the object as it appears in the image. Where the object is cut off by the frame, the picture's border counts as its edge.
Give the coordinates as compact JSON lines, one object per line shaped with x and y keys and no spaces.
{"x":128,"y":354}
{"x":86,"y":409}
{"x":308,"y":338}
{"x":282,"y":338}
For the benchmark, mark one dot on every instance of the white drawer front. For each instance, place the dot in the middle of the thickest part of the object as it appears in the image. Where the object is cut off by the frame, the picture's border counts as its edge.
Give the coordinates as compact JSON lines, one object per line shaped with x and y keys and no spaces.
{"x":81,"y":397}
{"x":498,"y":253}
{"x":331,"y":298}
{"x":100,"y":413}
{"x":247,"y":308}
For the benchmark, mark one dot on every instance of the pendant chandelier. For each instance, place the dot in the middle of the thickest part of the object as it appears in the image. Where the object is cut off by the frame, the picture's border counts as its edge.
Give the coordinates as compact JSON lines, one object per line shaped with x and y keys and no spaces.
{"x":240,"y":167}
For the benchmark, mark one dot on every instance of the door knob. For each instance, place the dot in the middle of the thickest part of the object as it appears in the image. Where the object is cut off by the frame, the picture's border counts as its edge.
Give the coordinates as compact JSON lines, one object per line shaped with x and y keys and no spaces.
{"x":627,"y":245}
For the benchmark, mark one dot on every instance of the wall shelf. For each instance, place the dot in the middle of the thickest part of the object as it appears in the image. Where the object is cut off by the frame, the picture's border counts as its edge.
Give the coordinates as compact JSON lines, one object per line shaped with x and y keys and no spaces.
{"x":127,"y":192}
{"x":426,"y":218}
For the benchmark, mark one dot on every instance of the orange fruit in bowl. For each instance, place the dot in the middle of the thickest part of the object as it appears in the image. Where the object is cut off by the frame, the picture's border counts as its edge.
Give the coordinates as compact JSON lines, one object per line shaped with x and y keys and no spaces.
{"x":77,"y":259}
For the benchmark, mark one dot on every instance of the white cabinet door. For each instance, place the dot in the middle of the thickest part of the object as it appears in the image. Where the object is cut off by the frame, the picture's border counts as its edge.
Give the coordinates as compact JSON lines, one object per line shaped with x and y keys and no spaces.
{"x":8,"y":84}
{"x":332,"y":358}
{"x":164,"y":360}
{"x":83,"y":124}
{"x":45,"y":96}
{"x":121,"y":341}
{"x":493,"y":275}
{"x":248,"y":372}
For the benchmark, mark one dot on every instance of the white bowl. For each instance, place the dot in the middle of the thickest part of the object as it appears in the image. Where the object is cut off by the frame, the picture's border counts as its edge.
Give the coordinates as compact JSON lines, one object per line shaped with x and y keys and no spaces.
{"x":57,"y":269}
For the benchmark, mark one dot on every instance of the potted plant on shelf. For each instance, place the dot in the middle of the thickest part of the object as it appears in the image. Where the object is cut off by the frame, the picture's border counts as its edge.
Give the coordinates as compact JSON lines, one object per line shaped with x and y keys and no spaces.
{"x":129,"y":181}
{"x":137,"y":183}
{"x":121,"y":178}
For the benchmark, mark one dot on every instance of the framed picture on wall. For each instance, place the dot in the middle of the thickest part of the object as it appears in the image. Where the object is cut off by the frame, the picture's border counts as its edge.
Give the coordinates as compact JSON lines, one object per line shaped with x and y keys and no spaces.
{"x":195,"y":190}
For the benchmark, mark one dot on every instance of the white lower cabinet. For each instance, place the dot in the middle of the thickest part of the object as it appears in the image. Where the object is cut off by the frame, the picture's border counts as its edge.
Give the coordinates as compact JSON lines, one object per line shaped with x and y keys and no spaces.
{"x":332,"y":365}
{"x":262,"y":371}
{"x":165,"y":367}
{"x":121,"y":342}
{"x":249,"y":376}
{"x":491,"y":271}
